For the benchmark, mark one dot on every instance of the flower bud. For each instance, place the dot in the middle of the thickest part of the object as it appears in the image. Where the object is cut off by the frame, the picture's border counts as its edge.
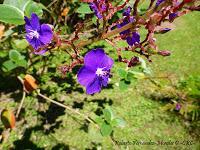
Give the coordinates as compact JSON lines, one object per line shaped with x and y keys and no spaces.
{"x":164,"y":53}
{"x":30,"y":83}
{"x":163,"y":30}
{"x":178,"y":106}
{"x":187,"y":1}
{"x":134,"y":61}
{"x":8,"y":118}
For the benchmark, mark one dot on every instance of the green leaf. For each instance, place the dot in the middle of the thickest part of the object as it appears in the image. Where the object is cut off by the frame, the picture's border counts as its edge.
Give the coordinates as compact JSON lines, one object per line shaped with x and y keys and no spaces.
{"x":99,"y":120}
{"x":138,"y":75}
{"x":145,"y":69}
{"x":129,"y":76}
{"x":20,"y":44}
{"x":14,"y":55}
{"x":123,"y":85}
{"x":33,"y":7}
{"x":106,"y":129}
{"x":20,"y":4}
{"x":10,"y":14}
{"x":21,"y":63}
{"x":8,"y":66}
{"x":107,"y":115}
{"x":118,"y":122}
{"x":122,"y":73}
{"x":94,"y":20}
{"x":84,"y":9}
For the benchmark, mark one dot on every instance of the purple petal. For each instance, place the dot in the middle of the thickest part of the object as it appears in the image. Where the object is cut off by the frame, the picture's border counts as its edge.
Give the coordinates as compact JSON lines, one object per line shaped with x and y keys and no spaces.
{"x":33,"y":22}
{"x":42,"y":52}
{"x":136,"y":38}
{"x":86,"y":76}
{"x":107,"y":62}
{"x":130,"y":41}
{"x":93,"y":87}
{"x":105,"y":80}
{"x":127,"y":11}
{"x":27,"y":21}
{"x":159,"y":2}
{"x":172,"y":16}
{"x":46,"y":34}
{"x":94,"y":58}
{"x":94,"y":7}
{"x":35,"y":43}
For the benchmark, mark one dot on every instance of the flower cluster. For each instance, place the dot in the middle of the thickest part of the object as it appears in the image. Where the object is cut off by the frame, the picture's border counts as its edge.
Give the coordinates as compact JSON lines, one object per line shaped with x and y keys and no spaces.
{"x":37,"y":35}
{"x":132,"y":38}
{"x":96,"y":71}
{"x":99,"y":7}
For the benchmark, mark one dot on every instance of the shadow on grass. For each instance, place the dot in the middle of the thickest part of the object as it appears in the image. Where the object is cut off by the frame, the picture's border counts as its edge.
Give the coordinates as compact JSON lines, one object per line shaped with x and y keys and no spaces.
{"x":25,"y":142}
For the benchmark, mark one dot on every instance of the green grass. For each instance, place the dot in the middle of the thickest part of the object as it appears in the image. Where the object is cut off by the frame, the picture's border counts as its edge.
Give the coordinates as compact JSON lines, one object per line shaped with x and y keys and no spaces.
{"x":144,"y":118}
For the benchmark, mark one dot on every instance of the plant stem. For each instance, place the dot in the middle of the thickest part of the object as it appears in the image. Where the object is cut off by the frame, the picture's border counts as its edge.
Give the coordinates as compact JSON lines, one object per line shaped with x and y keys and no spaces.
{"x":21,"y":104}
{"x":67,"y":107}
{"x":23,"y":96}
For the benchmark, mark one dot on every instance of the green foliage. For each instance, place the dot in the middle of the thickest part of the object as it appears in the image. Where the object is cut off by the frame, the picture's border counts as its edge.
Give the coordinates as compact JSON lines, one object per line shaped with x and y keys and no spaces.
{"x":127,"y":76}
{"x":10,"y":14}
{"x":13,"y":11}
{"x":108,"y":121}
{"x":15,"y":60}
{"x":33,"y":7}
{"x":20,"y":4}
{"x":191,"y":85}
{"x":84,"y":9}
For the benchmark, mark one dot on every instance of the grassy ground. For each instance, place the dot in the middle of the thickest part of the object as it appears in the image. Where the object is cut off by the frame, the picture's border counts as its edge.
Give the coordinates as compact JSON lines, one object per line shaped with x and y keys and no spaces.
{"x":56,"y":129}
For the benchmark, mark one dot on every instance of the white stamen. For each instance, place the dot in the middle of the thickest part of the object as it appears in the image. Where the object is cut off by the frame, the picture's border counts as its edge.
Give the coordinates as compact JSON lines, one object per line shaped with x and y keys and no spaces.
{"x":33,"y":34}
{"x":100,"y":72}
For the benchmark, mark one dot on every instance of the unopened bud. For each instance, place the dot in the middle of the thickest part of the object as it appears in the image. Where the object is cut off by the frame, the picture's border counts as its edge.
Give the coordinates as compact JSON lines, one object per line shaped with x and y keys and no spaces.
{"x":164,"y":53}
{"x":188,"y":1}
{"x":134,"y":61}
{"x":30,"y":83}
{"x":163,"y":30}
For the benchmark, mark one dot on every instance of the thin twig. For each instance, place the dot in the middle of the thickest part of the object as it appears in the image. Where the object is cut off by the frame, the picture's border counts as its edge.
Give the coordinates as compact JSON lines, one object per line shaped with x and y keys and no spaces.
{"x":21,"y":104}
{"x":67,"y":107}
{"x":23,"y":97}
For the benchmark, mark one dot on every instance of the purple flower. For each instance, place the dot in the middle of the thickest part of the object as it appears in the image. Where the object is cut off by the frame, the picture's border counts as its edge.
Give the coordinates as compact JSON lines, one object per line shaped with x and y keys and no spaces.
{"x":98,"y":7}
{"x":127,"y":11}
{"x":37,"y":35}
{"x":159,"y":2}
{"x":96,"y":71}
{"x":178,"y":106}
{"x":134,"y":39}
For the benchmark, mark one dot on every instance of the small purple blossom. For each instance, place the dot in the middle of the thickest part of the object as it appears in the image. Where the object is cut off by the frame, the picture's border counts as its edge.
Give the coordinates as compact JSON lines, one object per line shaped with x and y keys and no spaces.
{"x":37,"y":35}
{"x":159,"y":2}
{"x":99,"y":7}
{"x":132,"y":38}
{"x":96,"y":71}
{"x":127,"y":11}
{"x":178,"y":106}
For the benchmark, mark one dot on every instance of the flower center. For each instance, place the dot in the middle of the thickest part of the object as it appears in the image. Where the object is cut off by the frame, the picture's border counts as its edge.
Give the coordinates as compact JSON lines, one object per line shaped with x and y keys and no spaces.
{"x":33,"y":34}
{"x":100,"y":72}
